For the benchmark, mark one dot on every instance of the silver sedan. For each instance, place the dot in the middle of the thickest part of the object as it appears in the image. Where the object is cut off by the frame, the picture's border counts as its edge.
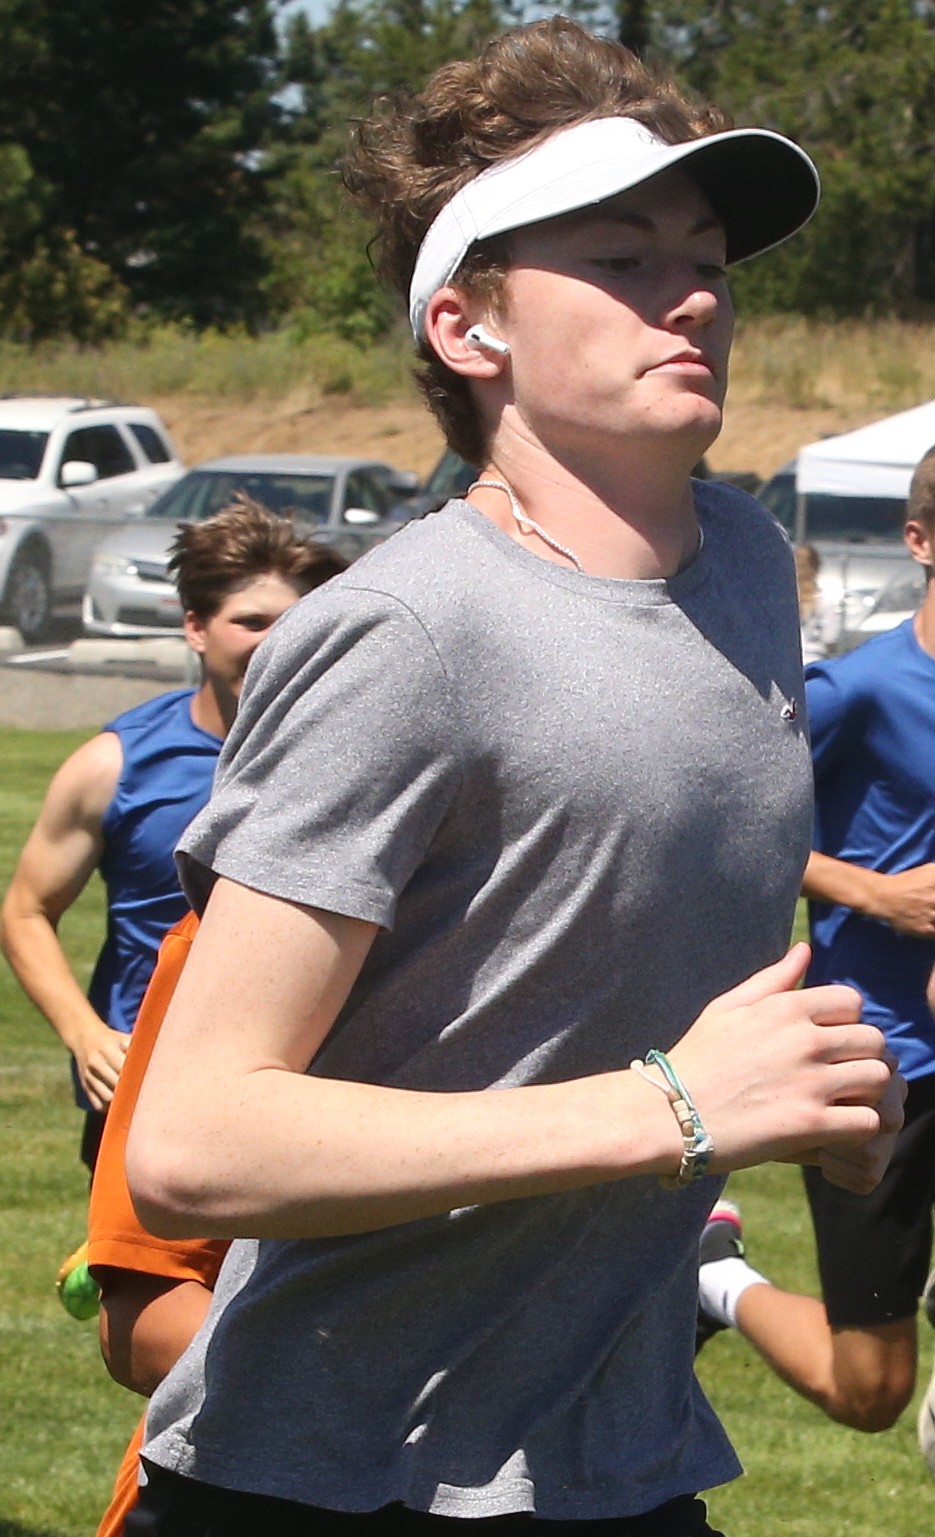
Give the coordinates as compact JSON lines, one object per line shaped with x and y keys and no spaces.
{"x":341,"y":502}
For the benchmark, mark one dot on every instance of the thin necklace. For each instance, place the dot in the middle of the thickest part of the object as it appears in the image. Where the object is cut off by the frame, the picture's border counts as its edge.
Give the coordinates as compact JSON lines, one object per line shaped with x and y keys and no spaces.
{"x":528,"y":525}
{"x":525,"y":523}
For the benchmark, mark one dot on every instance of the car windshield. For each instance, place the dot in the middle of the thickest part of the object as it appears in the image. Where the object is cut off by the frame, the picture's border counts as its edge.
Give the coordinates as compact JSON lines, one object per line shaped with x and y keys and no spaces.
{"x":202,"y":493}
{"x":451,"y":476}
{"x":21,"y":453}
{"x":847,"y":519}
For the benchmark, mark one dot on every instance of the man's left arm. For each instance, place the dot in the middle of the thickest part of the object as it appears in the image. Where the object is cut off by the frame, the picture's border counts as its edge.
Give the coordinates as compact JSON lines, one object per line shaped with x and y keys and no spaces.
{"x":905,"y":900}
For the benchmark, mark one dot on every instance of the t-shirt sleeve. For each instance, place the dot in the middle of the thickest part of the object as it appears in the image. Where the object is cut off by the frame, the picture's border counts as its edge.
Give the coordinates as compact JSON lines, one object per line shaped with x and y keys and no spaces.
{"x":342,"y":763}
{"x":116,"y":1239}
{"x":831,"y":716}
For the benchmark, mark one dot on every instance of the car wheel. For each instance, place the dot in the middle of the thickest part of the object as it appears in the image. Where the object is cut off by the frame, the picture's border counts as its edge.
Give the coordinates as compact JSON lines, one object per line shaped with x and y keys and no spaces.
{"x":28,"y":601}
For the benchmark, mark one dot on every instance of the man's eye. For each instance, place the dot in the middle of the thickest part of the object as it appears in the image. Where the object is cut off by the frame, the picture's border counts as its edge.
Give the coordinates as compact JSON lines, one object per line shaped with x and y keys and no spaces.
{"x":617,"y":263}
{"x":712,"y":270}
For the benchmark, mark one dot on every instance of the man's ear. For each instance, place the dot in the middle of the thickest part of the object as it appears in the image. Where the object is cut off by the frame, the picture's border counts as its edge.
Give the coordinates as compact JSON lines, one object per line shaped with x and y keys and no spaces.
{"x":920,"y":542}
{"x":447,"y":324}
{"x":194,"y":629}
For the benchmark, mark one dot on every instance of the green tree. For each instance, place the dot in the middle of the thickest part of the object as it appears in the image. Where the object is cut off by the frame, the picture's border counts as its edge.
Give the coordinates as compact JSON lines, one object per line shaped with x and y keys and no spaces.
{"x":48,"y":285}
{"x":320,"y":266}
{"x":853,"y":81}
{"x":149,"y":129}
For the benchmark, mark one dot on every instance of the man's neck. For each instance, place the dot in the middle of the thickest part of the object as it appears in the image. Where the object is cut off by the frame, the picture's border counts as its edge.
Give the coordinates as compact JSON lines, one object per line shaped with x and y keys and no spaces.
{"x":924,"y":623}
{"x":632,"y":522}
{"x":207,"y":714}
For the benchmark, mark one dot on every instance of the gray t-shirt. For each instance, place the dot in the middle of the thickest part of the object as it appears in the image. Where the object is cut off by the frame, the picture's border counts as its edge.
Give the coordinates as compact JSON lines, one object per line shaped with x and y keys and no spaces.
{"x":580,"y":808}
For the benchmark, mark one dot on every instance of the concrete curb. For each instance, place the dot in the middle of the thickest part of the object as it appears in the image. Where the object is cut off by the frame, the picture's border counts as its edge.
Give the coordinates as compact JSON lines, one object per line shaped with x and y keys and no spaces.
{"x":170,"y":655}
{"x":10,"y":640}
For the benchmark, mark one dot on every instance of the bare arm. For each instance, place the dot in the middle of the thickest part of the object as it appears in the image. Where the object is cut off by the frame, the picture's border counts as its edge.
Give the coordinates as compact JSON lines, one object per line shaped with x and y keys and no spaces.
{"x":57,"y":861}
{"x":146,"y":1323}
{"x":905,"y":900}
{"x":231,"y":1137}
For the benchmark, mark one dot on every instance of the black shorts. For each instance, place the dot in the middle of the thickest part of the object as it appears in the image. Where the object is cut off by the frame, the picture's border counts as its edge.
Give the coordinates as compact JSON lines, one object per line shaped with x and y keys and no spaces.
{"x":91,"y":1136}
{"x":172,"y":1506}
{"x":874,"y":1251}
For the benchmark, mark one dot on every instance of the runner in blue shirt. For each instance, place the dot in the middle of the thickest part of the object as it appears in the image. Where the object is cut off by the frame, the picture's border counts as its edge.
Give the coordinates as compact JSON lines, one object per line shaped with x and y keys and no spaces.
{"x":871,"y":887}
{"x":122,"y":801}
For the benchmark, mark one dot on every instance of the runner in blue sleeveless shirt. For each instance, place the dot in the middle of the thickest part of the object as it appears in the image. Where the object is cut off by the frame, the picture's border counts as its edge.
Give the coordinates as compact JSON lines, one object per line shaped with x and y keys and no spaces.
{"x":120,"y":803}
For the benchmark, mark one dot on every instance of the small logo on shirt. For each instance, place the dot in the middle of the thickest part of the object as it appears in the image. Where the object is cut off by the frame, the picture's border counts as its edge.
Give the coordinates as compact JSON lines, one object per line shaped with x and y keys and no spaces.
{"x":789,"y":710}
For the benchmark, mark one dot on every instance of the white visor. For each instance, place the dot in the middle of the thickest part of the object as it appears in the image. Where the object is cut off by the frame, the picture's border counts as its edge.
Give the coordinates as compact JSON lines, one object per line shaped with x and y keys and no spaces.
{"x":761,"y":186}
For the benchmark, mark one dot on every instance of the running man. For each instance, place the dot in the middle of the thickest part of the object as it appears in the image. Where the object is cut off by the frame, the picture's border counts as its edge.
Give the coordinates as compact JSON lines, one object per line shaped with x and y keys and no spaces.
{"x":511,"y":824}
{"x":121,"y":802}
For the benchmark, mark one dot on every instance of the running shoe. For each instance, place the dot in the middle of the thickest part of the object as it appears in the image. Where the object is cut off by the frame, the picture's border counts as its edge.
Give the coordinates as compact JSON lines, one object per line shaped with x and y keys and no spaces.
{"x":925,"y":1426}
{"x":926,"y":1422}
{"x":928,"y":1299}
{"x":79,"y":1293}
{"x":722,"y":1238}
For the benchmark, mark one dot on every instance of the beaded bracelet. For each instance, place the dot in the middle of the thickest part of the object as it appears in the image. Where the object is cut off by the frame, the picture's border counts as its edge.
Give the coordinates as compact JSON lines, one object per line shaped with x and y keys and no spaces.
{"x":697,"y":1144}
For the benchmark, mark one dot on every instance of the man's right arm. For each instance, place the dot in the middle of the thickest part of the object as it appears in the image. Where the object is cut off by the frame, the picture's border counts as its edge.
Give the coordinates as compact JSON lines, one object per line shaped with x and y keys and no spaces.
{"x":57,"y":861}
{"x":231,"y":1135}
{"x":146,"y":1322}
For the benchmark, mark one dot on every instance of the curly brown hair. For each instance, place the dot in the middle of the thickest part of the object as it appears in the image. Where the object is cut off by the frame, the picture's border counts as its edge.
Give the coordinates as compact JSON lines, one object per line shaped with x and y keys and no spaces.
{"x":217,"y":557}
{"x":410,"y":157}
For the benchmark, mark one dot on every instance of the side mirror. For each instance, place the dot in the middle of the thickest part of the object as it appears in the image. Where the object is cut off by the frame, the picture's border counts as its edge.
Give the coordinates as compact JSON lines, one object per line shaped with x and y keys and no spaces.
{"x":77,"y":472}
{"x":360,"y":517}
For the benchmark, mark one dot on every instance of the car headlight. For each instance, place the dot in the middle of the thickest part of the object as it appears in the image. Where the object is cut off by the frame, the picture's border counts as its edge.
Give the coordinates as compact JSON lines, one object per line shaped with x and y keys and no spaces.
{"x":114,"y":565}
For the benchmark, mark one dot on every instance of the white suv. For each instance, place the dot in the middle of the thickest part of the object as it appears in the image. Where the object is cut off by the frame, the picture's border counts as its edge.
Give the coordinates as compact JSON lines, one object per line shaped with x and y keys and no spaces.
{"x":70,"y":469}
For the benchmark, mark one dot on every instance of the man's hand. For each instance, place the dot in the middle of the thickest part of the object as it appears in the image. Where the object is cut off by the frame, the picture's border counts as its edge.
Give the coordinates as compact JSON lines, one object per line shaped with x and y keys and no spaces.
{"x":905,"y":901}
{"x":99,"y":1054}
{"x":779,"y":1072}
{"x":860,"y":1168}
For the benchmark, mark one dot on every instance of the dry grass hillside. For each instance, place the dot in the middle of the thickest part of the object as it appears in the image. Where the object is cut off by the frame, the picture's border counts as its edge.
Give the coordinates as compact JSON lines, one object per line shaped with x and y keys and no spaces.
{"x":757,"y":435}
{"x":792,"y":381}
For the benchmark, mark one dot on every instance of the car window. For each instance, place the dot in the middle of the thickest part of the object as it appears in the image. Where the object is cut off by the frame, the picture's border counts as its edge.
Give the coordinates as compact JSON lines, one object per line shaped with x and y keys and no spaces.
{"x":779,"y":496}
{"x":101,"y":446}
{"x":202,"y":493}
{"x":307,"y":498}
{"x":451,"y":476}
{"x":847,"y":519}
{"x":855,"y":518}
{"x":364,"y":490}
{"x":21,"y":454}
{"x":151,"y":442}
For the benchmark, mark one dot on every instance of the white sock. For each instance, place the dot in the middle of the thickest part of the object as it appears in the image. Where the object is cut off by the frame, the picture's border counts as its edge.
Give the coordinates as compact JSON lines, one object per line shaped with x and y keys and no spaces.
{"x":722,"y":1283}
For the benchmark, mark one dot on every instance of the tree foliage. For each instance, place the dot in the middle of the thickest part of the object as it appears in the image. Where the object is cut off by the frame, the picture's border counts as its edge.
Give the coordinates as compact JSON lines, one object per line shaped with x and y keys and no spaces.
{"x":145,"y":131}
{"x":853,"y":81}
{"x":179,"y":159}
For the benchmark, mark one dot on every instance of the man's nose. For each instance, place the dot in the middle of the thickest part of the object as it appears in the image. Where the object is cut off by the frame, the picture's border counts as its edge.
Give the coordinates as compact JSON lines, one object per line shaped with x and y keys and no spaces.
{"x":696,"y":305}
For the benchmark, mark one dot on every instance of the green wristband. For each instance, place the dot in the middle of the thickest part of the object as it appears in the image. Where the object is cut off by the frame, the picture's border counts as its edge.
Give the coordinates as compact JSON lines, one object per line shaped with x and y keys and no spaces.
{"x":697,"y":1143}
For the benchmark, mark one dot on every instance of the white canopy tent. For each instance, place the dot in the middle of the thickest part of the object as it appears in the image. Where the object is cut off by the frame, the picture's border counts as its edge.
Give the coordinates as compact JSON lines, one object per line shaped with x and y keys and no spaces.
{"x":872,"y":461}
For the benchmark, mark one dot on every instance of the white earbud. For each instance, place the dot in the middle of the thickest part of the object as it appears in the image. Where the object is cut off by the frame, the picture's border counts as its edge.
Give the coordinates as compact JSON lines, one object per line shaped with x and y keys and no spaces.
{"x":482,"y":338}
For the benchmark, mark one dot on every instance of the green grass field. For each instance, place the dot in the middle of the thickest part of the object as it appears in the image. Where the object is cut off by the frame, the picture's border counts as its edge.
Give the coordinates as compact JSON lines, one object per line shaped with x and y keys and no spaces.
{"x":63,"y":1423}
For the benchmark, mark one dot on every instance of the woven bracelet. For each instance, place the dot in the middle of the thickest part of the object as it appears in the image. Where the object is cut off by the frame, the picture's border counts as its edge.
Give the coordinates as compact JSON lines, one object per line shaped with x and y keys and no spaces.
{"x":697,"y":1144}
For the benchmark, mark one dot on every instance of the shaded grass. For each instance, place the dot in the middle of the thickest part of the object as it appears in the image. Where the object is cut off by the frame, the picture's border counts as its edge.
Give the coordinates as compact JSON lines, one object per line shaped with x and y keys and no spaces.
{"x":65,"y":1423}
